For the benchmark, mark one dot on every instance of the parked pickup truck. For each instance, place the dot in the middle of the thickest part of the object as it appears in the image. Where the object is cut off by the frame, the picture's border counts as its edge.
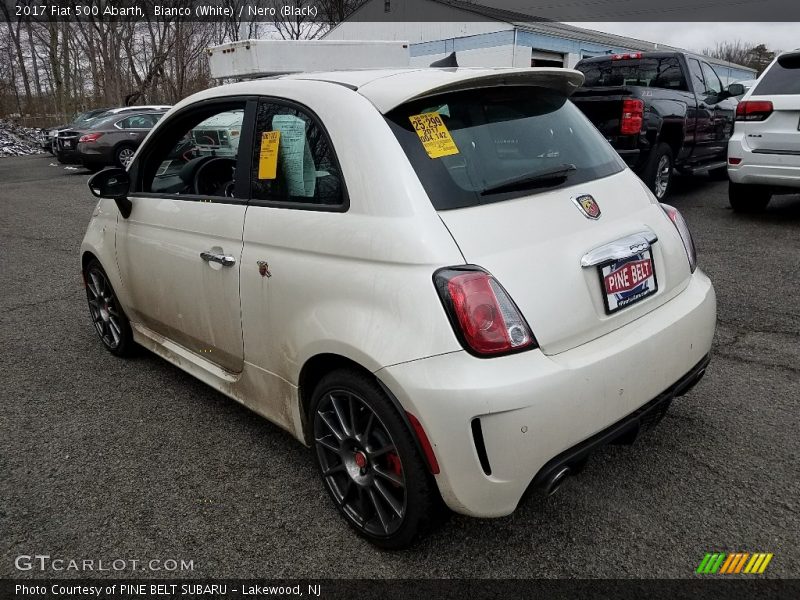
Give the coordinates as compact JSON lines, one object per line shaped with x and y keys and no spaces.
{"x":660,"y":110}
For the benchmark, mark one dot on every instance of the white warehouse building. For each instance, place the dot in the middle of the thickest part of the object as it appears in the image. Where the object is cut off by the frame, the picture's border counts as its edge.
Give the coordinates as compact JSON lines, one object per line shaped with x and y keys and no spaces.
{"x":483,"y":36}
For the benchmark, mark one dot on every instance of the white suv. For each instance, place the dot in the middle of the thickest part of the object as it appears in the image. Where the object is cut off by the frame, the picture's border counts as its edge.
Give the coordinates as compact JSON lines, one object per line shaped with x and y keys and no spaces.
{"x":764,"y":150}
{"x":445,"y":281}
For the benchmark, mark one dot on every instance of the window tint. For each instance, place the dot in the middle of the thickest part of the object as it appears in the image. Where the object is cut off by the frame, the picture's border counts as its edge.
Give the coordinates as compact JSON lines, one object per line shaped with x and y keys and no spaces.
{"x":696,"y":75}
{"x":139,"y":122}
{"x":292,"y":158}
{"x":779,"y":80}
{"x":198,"y":154}
{"x":647,"y":72}
{"x":713,"y":85}
{"x":506,"y":142}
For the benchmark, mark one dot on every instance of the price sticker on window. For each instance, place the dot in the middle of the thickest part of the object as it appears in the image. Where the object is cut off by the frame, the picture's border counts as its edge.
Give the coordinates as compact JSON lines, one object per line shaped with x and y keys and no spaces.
{"x":268,"y":155}
{"x":433,"y":134}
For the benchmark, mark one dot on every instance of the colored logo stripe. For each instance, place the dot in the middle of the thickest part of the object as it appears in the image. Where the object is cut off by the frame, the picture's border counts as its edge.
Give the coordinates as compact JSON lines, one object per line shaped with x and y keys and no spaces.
{"x":711,"y":563}
{"x":722,"y":563}
{"x":758,"y":564}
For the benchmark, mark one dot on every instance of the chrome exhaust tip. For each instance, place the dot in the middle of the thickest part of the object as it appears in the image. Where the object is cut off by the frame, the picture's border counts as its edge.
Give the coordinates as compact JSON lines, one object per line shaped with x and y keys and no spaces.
{"x":551,"y":486}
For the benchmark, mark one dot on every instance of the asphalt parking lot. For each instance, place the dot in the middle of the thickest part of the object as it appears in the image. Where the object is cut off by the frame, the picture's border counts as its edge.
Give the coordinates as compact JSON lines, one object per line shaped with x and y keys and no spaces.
{"x":102,"y":458}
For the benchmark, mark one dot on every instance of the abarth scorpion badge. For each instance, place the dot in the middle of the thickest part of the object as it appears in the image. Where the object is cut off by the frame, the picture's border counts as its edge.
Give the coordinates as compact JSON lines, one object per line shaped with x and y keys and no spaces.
{"x":588,"y":206}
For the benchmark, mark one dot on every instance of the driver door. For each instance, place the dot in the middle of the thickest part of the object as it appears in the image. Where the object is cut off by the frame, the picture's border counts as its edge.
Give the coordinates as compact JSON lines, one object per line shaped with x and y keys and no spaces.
{"x":180,"y":249}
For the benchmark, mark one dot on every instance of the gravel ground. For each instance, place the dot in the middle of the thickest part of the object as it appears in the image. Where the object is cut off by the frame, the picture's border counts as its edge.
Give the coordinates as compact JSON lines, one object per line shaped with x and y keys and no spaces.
{"x":102,"y":458}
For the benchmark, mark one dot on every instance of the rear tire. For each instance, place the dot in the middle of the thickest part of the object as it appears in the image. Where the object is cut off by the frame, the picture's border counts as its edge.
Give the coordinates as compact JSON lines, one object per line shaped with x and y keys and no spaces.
{"x":657,"y":173}
{"x":370,"y":463}
{"x":123,"y":155}
{"x":748,"y":198}
{"x":720,"y":174}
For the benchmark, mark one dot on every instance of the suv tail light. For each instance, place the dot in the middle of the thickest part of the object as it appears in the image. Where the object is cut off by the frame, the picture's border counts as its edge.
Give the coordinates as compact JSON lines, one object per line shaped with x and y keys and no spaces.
{"x":683,"y":230}
{"x":632,"y":116}
{"x":90,"y":137}
{"x":484,"y":318}
{"x":753,"y":110}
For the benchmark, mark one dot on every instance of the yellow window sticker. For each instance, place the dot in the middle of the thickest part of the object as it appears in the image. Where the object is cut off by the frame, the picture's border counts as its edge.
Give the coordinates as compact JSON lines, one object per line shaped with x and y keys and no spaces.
{"x":268,"y":156}
{"x":433,"y":134}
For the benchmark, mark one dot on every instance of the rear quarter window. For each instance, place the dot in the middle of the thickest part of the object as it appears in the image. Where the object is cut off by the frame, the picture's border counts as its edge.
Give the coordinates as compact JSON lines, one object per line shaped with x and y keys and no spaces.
{"x":779,"y":80}
{"x":501,"y":135}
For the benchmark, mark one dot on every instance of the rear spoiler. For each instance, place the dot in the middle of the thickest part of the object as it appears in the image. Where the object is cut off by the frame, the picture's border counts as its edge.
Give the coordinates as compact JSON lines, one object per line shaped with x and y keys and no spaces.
{"x":431,"y":82}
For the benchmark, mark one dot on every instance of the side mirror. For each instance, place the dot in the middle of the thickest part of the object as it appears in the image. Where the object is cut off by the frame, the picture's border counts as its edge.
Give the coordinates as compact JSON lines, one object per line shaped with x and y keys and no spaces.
{"x":736,"y":89}
{"x":113,"y":184}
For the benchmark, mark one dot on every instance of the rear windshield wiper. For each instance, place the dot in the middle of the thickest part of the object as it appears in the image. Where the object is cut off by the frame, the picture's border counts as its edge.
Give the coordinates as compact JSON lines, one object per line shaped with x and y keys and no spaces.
{"x":547,"y":178}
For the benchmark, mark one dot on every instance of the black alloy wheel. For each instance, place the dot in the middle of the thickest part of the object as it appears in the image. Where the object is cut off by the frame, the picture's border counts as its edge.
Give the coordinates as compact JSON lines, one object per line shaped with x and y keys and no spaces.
{"x":369,"y":462}
{"x":109,"y":320}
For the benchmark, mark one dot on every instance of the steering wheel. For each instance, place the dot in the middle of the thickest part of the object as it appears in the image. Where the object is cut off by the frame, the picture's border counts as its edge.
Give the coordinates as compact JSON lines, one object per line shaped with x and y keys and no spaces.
{"x":216,"y":177}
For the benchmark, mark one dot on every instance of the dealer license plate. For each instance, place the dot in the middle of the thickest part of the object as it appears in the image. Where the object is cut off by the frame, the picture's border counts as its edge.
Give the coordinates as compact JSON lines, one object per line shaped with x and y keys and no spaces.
{"x":627,"y":281}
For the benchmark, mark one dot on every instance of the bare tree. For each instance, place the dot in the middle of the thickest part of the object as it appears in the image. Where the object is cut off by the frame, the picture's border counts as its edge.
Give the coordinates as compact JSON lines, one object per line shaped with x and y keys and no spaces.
{"x":740,"y":53}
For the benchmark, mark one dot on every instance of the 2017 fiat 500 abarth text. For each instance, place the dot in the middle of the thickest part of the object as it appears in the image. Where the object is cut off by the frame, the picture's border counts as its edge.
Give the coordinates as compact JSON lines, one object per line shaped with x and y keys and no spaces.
{"x":445,"y":282}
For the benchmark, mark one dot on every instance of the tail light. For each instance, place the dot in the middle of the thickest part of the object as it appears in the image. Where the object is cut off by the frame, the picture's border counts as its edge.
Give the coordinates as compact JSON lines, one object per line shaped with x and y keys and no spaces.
{"x":686,"y":236}
{"x":484,"y":318}
{"x":90,"y":137}
{"x":753,"y":110}
{"x":626,"y":56}
{"x":632,"y":116}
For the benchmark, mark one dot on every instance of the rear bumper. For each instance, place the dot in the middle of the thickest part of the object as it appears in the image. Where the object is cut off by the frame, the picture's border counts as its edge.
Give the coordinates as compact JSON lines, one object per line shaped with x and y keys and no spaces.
{"x":632,"y":158}
{"x":535,"y":410}
{"x":92,"y":156}
{"x":625,"y":430}
{"x":68,"y":155}
{"x":761,"y":168}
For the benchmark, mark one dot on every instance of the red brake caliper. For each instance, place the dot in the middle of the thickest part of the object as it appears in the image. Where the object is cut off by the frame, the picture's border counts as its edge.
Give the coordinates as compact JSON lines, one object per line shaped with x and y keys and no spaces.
{"x":394,"y":464}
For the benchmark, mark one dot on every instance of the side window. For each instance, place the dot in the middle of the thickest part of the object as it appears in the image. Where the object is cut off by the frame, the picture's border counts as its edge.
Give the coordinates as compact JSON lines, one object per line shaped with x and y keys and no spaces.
{"x":292,"y":159}
{"x":197,"y":154}
{"x":713,"y":85}
{"x":696,"y":75}
{"x":137,"y":122}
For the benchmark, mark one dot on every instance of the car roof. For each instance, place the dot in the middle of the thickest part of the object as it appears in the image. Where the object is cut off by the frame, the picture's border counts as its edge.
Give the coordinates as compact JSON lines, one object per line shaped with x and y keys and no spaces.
{"x":146,"y":107}
{"x":389,"y":88}
{"x":103,"y":120}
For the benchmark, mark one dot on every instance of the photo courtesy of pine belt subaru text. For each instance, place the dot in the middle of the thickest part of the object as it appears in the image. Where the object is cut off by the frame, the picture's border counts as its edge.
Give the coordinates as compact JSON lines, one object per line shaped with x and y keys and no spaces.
{"x":443,"y":281}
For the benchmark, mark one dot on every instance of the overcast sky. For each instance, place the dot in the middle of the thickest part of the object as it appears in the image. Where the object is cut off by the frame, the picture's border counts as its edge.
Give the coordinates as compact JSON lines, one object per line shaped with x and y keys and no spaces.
{"x":696,"y":36}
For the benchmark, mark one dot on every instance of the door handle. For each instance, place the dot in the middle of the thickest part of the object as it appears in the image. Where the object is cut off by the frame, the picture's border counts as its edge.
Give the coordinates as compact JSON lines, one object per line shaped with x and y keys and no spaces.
{"x":225,"y":261}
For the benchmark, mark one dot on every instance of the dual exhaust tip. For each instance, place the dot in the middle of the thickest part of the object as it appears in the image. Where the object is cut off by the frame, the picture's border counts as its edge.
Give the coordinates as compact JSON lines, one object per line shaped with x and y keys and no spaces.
{"x":552,"y":484}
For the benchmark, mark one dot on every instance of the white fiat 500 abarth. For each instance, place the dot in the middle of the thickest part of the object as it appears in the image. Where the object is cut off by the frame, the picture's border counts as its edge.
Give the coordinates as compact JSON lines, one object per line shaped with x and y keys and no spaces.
{"x":444,"y":281}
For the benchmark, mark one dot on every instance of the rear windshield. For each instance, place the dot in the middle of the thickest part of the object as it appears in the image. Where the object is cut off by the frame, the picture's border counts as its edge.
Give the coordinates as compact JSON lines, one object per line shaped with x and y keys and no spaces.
{"x":646,"y":72}
{"x":492,"y":144}
{"x":778,"y":80}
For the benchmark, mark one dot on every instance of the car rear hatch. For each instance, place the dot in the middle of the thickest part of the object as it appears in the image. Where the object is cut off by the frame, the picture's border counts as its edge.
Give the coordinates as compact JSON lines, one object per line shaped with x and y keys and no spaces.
{"x":779,"y":131}
{"x":531,"y":193}
{"x":534,"y":246}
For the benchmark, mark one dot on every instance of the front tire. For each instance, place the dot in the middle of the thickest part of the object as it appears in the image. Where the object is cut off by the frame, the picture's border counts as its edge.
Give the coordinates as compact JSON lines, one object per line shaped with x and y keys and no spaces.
{"x":748,"y":198}
{"x":370,"y":463}
{"x":657,"y":173}
{"x":109,"y":320}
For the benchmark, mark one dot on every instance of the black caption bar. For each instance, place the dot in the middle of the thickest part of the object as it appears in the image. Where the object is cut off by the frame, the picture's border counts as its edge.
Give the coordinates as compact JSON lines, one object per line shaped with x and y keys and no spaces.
{"x":455,"y":11}
{"x":126,"y":589}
